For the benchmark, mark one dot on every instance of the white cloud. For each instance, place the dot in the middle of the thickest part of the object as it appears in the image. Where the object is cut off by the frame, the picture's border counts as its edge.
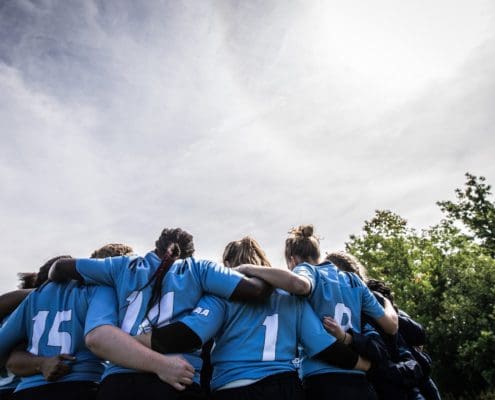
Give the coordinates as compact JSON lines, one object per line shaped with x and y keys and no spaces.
{"x":119,"y":118}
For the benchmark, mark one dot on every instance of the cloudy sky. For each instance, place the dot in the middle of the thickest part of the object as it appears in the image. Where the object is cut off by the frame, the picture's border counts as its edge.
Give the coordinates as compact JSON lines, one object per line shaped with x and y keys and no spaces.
{"x":227,"y":118}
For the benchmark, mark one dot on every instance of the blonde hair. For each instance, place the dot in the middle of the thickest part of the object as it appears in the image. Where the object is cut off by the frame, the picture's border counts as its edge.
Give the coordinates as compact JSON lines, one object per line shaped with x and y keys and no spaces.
{"x":245,"y":251}
{"x":303,"y":243}
{"x":347,"y":262}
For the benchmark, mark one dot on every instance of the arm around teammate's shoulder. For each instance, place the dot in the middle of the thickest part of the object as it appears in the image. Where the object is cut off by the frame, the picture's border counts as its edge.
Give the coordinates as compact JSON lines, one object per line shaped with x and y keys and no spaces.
{"x":279,"y":278}
{"x":251,"y":289}
{"x":64,"y":270}
{"x":112,"y":344}
{"x":389,"y":322}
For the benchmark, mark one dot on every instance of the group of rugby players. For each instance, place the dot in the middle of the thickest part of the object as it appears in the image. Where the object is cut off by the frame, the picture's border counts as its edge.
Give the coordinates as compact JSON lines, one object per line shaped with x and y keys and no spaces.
{"x":170,"y":326}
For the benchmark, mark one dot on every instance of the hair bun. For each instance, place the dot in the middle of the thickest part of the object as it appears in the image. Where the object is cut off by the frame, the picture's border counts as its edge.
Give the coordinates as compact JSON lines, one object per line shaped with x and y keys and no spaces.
{"x":246,"y":240}
{"x":306,"y":230}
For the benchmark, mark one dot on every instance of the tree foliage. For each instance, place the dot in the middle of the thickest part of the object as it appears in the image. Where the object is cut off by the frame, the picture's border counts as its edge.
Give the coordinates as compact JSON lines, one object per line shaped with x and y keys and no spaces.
{"x":475,"y":210}
{"x":445,"y":278}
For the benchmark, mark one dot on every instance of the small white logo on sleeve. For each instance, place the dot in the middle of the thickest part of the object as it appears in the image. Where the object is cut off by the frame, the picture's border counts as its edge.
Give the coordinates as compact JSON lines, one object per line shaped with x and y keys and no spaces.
{"x":201,"y":311}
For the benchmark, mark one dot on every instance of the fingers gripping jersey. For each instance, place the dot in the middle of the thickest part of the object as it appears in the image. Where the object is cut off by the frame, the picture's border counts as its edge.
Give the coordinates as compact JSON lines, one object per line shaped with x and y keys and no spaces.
{"x":182,"y":287}
{"x":53,"y":320}
{"x":256,"y":341}
{"x":342,"y":296}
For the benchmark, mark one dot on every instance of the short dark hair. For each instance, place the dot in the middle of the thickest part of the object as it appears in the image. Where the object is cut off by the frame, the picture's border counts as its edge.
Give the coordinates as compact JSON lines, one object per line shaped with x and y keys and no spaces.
{"x":180,"y":240}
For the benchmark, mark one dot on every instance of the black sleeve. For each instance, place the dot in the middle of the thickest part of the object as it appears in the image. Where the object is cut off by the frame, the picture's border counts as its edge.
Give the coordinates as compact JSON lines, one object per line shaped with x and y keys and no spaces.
{"x":411,"y":331}
{"x":174,"y":338}
{"x":206,"y":368}
{"x":339,"y":355}
{"x":371,"y":347}
{"x":407,"y":373}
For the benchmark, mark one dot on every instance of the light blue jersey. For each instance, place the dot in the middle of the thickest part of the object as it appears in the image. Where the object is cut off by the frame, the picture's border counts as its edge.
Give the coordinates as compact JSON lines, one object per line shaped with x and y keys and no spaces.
{"x":53,"y":320}
{"x":182,"y":287}
{"x":342,"y":296}
{"x":253,"y":341}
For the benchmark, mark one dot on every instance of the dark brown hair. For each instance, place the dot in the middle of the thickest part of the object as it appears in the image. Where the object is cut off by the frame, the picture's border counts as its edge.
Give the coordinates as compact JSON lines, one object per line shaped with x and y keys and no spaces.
{"x":27,"y":280}
{"x":382,"y":288}
{"x":170,"y":246}
{"x":347,"y":262}
{"x":303,"y":244}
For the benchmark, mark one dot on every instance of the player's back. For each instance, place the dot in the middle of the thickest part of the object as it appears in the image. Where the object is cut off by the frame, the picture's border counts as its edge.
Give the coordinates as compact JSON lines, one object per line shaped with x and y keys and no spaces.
{"x":181,"y":288}
{"x":53,"y":321}
{"x":340,"y":295}
{"x":259,"y":340}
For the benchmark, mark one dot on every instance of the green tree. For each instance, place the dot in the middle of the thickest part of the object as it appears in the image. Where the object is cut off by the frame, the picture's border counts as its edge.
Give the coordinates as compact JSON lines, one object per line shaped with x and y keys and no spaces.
{"x":445,"y":280}
{"x":475,"y":210}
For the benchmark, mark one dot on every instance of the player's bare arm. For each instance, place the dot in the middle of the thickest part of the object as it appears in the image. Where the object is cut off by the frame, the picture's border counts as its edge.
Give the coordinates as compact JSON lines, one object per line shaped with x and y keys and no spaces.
{"x":251,"y":289}
{"x":64,"y":270}
{"x":278,"y":277}
{"x":112,"y":344}
{"x":9,"y":301}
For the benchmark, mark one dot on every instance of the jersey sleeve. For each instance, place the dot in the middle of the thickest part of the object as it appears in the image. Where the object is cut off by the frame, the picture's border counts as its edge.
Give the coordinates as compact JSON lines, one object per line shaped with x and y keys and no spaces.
{"x":217,"y":279}
{"x":207,"y":318}
{"x":102,"y":308}
{"x":100,"y":271}
{"x":13,"y":329}
{"x":370,"y":305}
{"x":312,"y":335}
{"x":309,"y":272}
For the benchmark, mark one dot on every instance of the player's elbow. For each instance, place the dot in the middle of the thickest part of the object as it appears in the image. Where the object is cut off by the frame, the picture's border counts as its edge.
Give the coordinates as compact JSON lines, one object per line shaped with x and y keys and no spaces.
{"x":390,"y":323}
{"x":299,"y":286}
{"x":94,"y":340}
{"x":55,"y":274}
{"x":64,"y":270}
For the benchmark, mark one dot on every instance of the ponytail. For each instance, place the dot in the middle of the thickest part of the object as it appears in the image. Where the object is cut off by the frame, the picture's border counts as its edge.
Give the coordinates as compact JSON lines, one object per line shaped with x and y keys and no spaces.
{"x":172,"y":245}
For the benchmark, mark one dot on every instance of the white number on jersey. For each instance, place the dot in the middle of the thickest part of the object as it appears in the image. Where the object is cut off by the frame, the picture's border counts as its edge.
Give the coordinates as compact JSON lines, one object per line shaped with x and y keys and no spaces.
{"x":340,"y":310}
{"x":56,"y":338}
{"x":135,"y":302}
{"x":166,"y":312}
{"x":271,"y":331}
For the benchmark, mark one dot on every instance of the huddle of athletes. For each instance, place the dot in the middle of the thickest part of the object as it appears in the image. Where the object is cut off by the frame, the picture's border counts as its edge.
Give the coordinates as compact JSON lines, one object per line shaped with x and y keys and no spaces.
{"x":170,"y":326}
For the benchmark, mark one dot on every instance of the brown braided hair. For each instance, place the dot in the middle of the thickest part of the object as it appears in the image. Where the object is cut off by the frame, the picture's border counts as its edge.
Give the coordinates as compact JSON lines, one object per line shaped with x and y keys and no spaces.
{"x":172,"y":245}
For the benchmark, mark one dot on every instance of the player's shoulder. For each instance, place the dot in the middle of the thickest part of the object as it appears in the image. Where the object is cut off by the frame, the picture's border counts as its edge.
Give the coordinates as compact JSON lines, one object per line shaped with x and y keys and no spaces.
{"x":306,"y":268}
{"x":351,"y":280}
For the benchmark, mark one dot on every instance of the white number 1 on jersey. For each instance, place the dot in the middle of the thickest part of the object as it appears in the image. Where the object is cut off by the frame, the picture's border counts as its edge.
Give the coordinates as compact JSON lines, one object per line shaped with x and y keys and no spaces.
{"x":271,"y":332}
